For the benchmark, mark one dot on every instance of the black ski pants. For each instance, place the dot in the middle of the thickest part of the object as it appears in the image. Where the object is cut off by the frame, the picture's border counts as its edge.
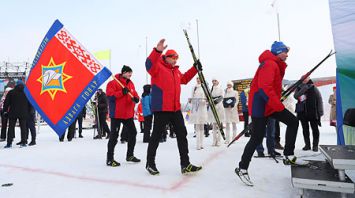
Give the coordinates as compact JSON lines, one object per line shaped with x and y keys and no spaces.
{"x":147,"y":127}
{"x":161,"y":119}
{"x":4,"y":121}
{"x":277,"y":132}
{"x":11,"y":130}
{"x":246,"y":119}
{"x":71,"y":132}
{"x":115,"y":128}
{"x":259,"y":126}
{"x":31,"y":127}
{"x":103,"y":125}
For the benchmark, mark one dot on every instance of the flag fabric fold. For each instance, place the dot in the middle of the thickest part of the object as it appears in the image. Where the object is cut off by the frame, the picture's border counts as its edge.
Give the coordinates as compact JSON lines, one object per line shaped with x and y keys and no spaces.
{"x":63,"y":78}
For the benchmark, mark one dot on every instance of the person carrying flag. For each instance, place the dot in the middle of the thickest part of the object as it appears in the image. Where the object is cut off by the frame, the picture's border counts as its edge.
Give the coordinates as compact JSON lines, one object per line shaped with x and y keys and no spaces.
{"x":124,"y":95}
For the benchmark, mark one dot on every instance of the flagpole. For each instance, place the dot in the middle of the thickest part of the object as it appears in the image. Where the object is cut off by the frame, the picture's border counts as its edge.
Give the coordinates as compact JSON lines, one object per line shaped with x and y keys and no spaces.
{"x":274,"y":6}
{"x":198,"y":39}
{"x":278,"y":25}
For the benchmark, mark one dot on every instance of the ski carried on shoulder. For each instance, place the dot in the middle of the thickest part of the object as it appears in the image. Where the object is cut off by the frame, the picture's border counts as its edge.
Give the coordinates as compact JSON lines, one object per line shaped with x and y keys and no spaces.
{"x":205,"y":87}
{"x":287,"y":92}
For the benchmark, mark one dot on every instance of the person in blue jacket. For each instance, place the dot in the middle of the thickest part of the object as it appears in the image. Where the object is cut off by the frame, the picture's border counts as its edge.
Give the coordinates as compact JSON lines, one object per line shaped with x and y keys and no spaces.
{"x":147,"y":112}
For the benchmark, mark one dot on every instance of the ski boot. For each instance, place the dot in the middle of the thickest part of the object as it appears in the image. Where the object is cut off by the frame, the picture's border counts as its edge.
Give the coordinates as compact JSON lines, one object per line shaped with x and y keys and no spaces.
{"x":243,"y":176}
{"x":112,"y":163}
{"x":152,"y":169}
{"x":293,"y":160}
{"x":132,"y":159}
{"x":190,"y":169}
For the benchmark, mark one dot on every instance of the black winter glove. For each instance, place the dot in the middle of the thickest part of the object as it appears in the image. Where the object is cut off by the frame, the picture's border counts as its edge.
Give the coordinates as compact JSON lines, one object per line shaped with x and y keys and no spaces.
{"x":125,"y":91}
{"x":135,"y":99}
{"x":198,"y":65}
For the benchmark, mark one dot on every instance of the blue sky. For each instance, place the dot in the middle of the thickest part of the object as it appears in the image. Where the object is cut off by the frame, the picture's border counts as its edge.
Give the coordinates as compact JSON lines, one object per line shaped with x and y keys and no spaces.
{"x":232,"y":33}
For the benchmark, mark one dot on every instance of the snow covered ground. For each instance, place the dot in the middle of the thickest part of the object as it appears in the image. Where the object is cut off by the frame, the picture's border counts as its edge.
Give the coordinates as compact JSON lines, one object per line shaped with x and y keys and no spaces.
{"x":77,"y":169}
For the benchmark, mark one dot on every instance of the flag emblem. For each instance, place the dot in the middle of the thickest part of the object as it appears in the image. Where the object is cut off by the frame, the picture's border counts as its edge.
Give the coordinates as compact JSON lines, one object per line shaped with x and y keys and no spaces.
{"x":53,"y":78}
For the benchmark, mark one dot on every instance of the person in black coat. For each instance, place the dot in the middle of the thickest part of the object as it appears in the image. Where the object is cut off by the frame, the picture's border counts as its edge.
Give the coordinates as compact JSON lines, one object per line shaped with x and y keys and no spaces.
{"x":17,"y":107}
{"x":79,"y":119}
{"x":309,"y":109}
{"x":31,"y":126}
{"x":71,"y":131}
{"x":102,"y":105}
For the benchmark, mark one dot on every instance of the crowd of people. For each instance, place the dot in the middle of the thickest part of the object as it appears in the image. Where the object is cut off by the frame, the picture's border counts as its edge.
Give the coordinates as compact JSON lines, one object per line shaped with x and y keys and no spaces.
{"x":159,"y":110}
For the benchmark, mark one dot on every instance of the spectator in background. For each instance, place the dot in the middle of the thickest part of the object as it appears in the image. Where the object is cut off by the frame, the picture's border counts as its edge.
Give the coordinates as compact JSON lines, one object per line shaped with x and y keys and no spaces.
{"x":244,"y":101}
{"x":140,"y":117}
{"x":16,"y":107}
{"x":102,"y":106}
{"x":309,"y":109}
{"x":31,"y":126}
{"x":147,"y":112}
{"x":199,"y":116}
{"x":333,"y":114}
{"x":230,"y":103}
{"x":71,"y":132}
{"x":217,"y":96}
{"x":80,"y":118}
{"x":4,"y":119}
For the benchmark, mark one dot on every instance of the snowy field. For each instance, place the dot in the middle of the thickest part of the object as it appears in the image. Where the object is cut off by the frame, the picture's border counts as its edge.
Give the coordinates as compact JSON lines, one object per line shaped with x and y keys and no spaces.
{"x":77,"y":169}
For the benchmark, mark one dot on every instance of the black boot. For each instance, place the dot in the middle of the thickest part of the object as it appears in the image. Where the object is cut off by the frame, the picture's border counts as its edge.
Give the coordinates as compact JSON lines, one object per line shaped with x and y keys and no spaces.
{"x":306,"y":148}
{"x":315,"y":148}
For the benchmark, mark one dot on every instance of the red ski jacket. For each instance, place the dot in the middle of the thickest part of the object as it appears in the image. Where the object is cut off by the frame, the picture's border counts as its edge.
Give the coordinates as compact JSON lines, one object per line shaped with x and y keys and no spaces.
{"x":121,"y":106}
{"x":265,"y":90}
{"x":166,"y":82}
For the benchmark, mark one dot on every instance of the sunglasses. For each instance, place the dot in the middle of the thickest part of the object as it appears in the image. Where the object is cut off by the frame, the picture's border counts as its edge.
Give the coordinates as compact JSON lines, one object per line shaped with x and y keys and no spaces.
{"x":173,"y":56}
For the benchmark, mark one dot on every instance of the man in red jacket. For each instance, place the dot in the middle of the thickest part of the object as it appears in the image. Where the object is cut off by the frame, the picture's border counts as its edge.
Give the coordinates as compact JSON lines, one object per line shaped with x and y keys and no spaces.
{"x":124,"y":99}
{"x":264,"y":102}
{"x":166,"y":87}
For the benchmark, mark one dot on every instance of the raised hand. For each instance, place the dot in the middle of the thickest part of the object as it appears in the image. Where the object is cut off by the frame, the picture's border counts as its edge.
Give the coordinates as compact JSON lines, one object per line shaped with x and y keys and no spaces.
{"x":160,"y":46}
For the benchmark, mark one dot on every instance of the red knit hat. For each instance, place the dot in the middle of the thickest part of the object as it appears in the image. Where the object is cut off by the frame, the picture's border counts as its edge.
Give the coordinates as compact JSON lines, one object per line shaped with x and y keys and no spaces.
{"x":171,"y":53}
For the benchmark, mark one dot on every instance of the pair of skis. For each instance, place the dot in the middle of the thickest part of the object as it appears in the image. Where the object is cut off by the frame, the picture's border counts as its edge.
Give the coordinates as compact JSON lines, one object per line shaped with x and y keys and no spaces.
{"x":205,"y":87}
{"x":286,"y":93}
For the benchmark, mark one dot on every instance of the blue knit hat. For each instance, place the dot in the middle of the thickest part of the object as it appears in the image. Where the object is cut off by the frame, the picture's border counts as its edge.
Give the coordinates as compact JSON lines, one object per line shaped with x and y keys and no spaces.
{"x":278,"y":47}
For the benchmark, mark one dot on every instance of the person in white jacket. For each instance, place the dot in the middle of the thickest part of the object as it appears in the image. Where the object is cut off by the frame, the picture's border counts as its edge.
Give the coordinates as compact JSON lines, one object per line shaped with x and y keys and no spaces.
{"x":230,"y":103}
{"x":217,"y":97}
{"x":198,"y":115}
